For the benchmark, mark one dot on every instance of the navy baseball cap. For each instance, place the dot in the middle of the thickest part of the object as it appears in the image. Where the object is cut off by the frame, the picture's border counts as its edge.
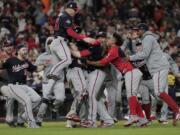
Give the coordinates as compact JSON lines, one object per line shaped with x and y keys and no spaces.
{"x":72,"y":5}
{"x":18,"y":47}
{"x":142,"y":26}
{"x":7,"y":43}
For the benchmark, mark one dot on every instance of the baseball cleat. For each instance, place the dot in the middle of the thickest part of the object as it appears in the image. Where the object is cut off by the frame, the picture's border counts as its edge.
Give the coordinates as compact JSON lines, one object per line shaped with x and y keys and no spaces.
{"x":39,"y":124}
{"x":176,"y":118}
{"x":164,"y":122}
{"x":70,"y":124}
{"x":32,"y":124}
{"x":11,"y":124}
{"x":88,"y":124}
{"x":153,"y":117}
{"x":131,"y":121}
{"x":21,"y":125}
{"x":142,"y":122}
{"x":115,"y":120}
{"x":73,"y":117}
{"x":105,"y":125}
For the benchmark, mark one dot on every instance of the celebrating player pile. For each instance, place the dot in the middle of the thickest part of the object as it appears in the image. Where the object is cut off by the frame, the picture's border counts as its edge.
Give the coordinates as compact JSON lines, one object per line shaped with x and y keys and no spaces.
{"x":88,"y":63}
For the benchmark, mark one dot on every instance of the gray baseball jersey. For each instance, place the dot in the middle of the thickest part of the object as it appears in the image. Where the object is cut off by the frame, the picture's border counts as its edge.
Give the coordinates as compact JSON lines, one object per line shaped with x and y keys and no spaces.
{"x":151,"y":52}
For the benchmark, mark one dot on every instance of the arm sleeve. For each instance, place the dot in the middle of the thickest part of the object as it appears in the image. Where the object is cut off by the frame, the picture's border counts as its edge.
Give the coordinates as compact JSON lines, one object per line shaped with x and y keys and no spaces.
{"x":6,"y":65}
{"x":31,"y":67}
{"x":39,"y":60}
{"x":125,"y":45}
{"x":147,"y":47}
{"x":112,"y":54}
{"x":85,"y":53}
{"x":75,"y":35}
{"x":96,"y":43}
{"x":173,"y":65}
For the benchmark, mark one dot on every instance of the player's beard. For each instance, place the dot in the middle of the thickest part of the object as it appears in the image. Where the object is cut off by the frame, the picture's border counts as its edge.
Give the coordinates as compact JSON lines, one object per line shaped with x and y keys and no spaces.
{"x":24,"y":55}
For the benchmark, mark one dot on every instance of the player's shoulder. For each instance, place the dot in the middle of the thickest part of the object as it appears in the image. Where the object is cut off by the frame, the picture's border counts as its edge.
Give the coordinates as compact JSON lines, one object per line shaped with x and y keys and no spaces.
{"x":150,"y":36}
{"x":64,"y":15}
{"x":114,"y":49}
{"x":12,"y":59}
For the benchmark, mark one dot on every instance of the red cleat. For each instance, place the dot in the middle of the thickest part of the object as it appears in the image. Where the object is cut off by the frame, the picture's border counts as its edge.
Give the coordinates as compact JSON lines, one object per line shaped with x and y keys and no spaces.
{"x":73,"y":117}
{"x":176,"y":118}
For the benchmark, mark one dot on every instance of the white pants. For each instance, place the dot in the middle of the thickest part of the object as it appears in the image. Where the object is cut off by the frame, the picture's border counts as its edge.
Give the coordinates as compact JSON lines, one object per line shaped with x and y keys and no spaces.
{"x":61,"y":55}
{"x":76,"y":79}
{"x":57,"y":91}
{"x":24,"y":95}
{"x":145,"y":90}
{"x":160,"y":80}
{"x":95,"y":80}
{"x":132,"y":81}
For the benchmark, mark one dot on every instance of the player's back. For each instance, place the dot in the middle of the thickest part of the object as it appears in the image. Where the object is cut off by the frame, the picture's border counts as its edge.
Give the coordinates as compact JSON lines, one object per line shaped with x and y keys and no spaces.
{"x":63,"y":22}
{"x":156,"y":61}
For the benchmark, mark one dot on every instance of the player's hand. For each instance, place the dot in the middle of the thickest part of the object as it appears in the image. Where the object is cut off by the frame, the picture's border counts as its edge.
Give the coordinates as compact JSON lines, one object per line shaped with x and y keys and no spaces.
{"x":89,"y":40}
{"x":73,"y":46}
{"x":127,"y":58}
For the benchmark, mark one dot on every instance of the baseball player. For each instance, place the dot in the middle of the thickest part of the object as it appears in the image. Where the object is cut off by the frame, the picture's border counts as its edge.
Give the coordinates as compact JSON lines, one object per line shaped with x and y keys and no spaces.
{"x":95,"y":78}
{"x":164,"y":110}
{"x":8,"y":51}
{"x":57,"y":93}
{"x":157,"y":65}
{"x":113,"y":87}
{"x":132,"y":77}
{"x":146,"y":88}
{"x":75,"y":77}
{"x":59,"y":48}
{"x":17,"y":68}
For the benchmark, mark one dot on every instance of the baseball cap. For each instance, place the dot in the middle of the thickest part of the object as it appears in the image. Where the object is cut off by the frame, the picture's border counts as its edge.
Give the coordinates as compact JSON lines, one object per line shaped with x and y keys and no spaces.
{"x":72,"y":5}
{"x":142,"y":26}
{"x":18,"y":47}
{"x":7,"y":43}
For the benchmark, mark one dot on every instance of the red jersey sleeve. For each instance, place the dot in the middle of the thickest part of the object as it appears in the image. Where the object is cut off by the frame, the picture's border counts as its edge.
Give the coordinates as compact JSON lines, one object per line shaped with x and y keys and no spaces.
{"x":85,"y":53}
{"x":111,"y":55}
{"x":75,"y":35}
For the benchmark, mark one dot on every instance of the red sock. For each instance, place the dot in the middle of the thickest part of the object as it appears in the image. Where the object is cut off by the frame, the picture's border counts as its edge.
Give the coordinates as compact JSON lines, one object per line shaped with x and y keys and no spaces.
{"x":147,"y":110}
{"x":132,"y":101}
{"x":169,"y":101}
{"x":139,"y":110}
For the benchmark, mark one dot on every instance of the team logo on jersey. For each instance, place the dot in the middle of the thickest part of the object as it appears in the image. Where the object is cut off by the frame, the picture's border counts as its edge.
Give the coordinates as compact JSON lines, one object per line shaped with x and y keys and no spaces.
{"x":18,"y":67}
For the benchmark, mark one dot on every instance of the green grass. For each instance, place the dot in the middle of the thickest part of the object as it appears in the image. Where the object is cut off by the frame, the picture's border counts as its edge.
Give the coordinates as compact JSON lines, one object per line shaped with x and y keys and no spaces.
{"x":58,"y":128}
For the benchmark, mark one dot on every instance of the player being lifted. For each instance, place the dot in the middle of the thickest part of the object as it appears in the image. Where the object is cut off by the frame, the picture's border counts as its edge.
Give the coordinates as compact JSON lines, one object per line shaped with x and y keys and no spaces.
{"x":61,"y":56}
